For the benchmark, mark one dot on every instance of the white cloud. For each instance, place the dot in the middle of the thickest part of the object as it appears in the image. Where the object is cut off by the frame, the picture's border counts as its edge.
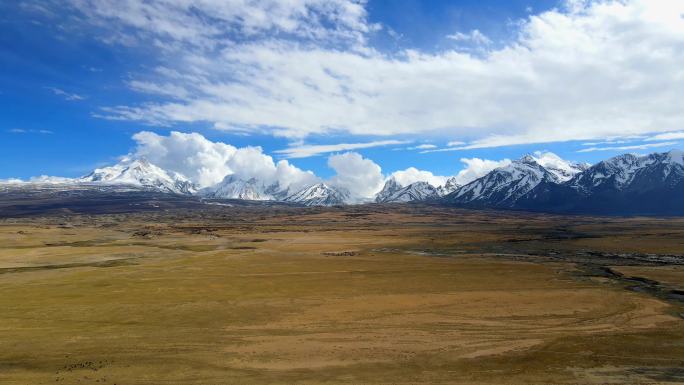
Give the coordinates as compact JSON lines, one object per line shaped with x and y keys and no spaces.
{"x":422,"y":147}
{"x":207,"y":23}
{"x":11,"y":181}
{"x":66,"y":95}
{"x":361,"y":176}
{"x":666,"y":136}
{"x":454,"y":145}
{"x":611,"y":142}
{"x":628,"y":148}
{"x":476,"y":168}
{"x":46,"y":179}
{"x":585,"y":71}
{"x":168,"y":89}
{"x":305,"y":151}
{"x":474,"y":36}
{"x":206,"y":162}
{"x":413,"y":175}
{"x":42,"y":179}
{"x":25,"y":131}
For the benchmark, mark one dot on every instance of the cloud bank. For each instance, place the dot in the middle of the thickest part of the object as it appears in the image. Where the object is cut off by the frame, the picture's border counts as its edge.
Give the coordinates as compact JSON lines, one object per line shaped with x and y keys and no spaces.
{"x":295,"y":68}
{"x":476,"y":168}
{"x":206,"y":162}
{"x":413,"y":175}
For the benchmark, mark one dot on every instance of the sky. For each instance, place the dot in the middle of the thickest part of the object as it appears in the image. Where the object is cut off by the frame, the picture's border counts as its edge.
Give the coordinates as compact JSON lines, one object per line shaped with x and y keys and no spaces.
{"x":345,"y":89}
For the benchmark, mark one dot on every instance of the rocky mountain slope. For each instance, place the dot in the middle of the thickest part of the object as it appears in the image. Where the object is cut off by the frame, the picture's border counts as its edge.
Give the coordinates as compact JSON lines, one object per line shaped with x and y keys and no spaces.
{"x":320,"y":194}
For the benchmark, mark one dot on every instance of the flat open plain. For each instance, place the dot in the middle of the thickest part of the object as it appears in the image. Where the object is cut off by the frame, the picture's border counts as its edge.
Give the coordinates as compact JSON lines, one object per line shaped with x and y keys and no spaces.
{"x":358,"y":295}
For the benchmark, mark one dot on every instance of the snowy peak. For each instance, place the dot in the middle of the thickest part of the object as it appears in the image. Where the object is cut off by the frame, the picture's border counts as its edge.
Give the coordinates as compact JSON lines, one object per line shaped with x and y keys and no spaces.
{"x":320,"y":194}
{"x":504,"y":185}
{"x":389,"y":189}
{"x":418,"y":191}
{"x":623,"y":171}
{"x":232,"y":187}
{"x":560,"y":168}
{"x":450,"y":186}
{"x":140,"y":173}
{"x":528,"y":159}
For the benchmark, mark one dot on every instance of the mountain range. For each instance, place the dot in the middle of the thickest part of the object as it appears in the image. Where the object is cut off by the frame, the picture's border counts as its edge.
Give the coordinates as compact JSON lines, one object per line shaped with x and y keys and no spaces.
{"x":623,"y":185}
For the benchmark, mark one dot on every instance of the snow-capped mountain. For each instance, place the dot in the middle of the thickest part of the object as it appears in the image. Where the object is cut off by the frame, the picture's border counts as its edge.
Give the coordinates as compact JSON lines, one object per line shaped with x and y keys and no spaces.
{"x":418,"y":191}
{"x":232,"y":187}
{"x":632,"y":184}
{"x":625,"y":171}
{"x":277,"y":192}
{"x":390,"y":188}
{"x":626,"y":184}
{"x":140,"y":173}
{"x":561,"y":168}
{"x":503,"y":186}
{"x":320,"y":194}
{"x":450,"y":186}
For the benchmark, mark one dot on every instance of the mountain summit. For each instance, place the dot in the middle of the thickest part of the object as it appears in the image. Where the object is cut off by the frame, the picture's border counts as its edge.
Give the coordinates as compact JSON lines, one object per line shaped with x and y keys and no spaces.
{"x":141,"y":173}
{"x":624,"y":185}
{"x":232,"y":187}
{"x":503,"y":186}
{"x":320,"y":194}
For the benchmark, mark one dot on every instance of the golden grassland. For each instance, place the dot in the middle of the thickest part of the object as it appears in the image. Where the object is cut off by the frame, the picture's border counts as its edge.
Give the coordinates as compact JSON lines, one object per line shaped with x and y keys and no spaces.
{"x":314,"y":296}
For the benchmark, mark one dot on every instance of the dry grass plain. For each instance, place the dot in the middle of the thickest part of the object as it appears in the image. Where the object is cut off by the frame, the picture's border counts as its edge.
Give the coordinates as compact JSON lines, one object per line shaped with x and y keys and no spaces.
{"x":361,"y":295}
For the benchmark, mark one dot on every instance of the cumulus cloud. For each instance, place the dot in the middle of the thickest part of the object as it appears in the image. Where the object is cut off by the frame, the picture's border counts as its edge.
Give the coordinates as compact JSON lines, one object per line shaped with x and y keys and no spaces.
{"x":361,"y":176}
{"x":473,"y":168}
{"x":413,"y":175}
{"x":476,"y":168}
{"x":207,"y":163}
{"x":586,"y":70}
{"x":11,"y":181}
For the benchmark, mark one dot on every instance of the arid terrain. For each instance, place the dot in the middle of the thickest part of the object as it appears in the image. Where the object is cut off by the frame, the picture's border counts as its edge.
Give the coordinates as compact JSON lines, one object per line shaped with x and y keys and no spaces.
{"x":374,"y":294}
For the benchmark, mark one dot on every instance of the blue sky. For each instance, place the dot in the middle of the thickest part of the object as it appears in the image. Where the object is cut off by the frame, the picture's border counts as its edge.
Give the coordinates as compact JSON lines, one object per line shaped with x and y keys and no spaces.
{"x":78,"y":79}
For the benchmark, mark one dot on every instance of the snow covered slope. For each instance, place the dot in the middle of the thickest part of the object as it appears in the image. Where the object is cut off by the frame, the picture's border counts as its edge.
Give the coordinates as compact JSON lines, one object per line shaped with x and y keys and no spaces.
{"x":450,"y":186}
{"x":232,"y":187}
{"x":561,"y":168}
{"x":624,"y":171}
{"x":418,"y":191}
{"x":140,"y":173}
{"x":320,"y":194}
{"x":503,"y":186}
{"x":390,"y":188}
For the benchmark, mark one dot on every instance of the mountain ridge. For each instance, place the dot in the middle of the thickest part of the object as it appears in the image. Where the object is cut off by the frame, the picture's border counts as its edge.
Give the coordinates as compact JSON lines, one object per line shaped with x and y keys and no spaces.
{"x":624,"y":184}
